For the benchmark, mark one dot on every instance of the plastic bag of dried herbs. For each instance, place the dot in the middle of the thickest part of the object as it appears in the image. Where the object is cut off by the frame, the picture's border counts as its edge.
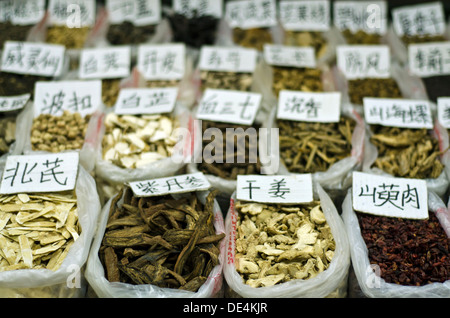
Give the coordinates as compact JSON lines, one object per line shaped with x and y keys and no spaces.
{"x":331,"y":282}
{"x":330,"y":167}
{"x":68,"y":279}
{"x":409,"y":153}
{"x":96,"y":274}
{"x":368,"y":276}
{"x":45,"y":134}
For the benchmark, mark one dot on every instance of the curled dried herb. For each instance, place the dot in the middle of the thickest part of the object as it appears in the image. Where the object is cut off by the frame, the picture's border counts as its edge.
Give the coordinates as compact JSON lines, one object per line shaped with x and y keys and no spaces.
{"x":252,"y":38}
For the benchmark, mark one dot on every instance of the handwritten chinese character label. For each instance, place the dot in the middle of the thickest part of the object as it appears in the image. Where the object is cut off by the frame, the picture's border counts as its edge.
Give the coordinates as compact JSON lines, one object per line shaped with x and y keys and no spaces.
{"x":40,"y":173}
{"x":201,"y":7}
{"x":138,"y":12}
{"x":419,"y":19}
{"x":364,"y":61}
{"x":6,"y":9}
{"x":9,"y":103}
{"x":132,"y":101}
{"x":443,"y":111}
{"x":367,"y":16}
{"x":83,"y":97}
{"x":389,"y":196}
{"x":161,"y":61}
{"x":249,"y":14}
{"x":170,"y":185}
{"x":229,"y":106}
{"x":26,"y":12}
{"x":305,"y":15}
{"x":296,"y":188}
{"x":429,"y":59}
{"x":72,"y":13}
{"x":227,"y":59}
{"x":291,"y":56}
{"x":32,"y":58}
{"x":311,"y":107}
{"x":99,"y":63}
{"x":393,"y":112}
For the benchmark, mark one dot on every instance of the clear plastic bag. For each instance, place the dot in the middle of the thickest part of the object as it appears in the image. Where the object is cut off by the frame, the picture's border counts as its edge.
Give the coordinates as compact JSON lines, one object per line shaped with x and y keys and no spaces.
{"x":68,"y":279}
{"x":329,"y":283}
{"x":95,"y":273}
{"x":372,"y":285}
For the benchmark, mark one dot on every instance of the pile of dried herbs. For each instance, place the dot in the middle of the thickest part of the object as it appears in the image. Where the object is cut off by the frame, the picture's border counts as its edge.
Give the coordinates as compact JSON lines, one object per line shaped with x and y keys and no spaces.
{"x":167,"y":242}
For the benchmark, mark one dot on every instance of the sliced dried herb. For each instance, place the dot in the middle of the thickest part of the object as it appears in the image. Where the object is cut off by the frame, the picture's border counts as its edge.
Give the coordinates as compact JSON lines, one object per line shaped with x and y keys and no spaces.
{"x":226,"y":80}
{"x":372,"y":87}
{"x":307,"y":38}
{"x":296,"y":79}
{"x":313,"y":147}
{"x":252,"y":38}
{"x":361,"y":37}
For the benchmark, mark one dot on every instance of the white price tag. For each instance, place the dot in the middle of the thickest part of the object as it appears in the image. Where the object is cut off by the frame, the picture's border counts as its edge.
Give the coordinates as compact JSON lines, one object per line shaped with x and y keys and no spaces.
{"x":201,"y":7}
{"x":72,"y":13}
{"x":227,"y":59}
{"x":247,"y":14}
{"x":429,"y":59}
{"x":170,"y":185}
{"x":40,"y":173}
{"x":33,"y":58}
{"x":10,"y":103}
{"x":138,"y":12}
{"x":305,"y":15}
{"x":443,"y":111}
{"x":310,"y":107}
{"x":132,"y":101}
{"x":388,"y":196}
{"x":53,"y":98}
{"x":161,"y":61}
{"x":289,"y":189}
{"x":229,"y":106}
{"x":402,"y":113}
{"x":290,"y":56}
{"x":420,"y":19}
{"x":99,"y":63}
{"x":364,"y":61}
{"x":367,"y":16}
{"x":26,"y":12}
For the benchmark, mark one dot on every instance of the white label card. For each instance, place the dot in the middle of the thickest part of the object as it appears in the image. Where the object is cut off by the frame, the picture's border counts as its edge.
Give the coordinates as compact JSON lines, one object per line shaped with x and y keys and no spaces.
{"x":201,"y":7}
{"x":310,"y":107}
{"x":132,"y":101}
{"x":53,"y":98}
{"x":229,"y":106}
{"x":40,"y":173}
{"x":429,"y":59}
{"x":290,"y":56}
{"x":26,"y":12}
{"x":402,"y":113}
{"x":364,"y":61}
{"x":72,"y":13}
{"x":99,"y":63}
{"x":227,"y":59}
{"x":138,"y":12}
{"x":170,"y":185}
{"x":443,"y":111}
{"x":289,"y":189}
{"x":367,"y":16}
{"x":305,"y":15}
{"x":33,"y":58}
{"x":161,"y":61}
{"x":6,"y":9}
{"x":420,"y":19}
{"x":249,"y":14}
{"x":388,"y":196}
{"x":10,"y":103}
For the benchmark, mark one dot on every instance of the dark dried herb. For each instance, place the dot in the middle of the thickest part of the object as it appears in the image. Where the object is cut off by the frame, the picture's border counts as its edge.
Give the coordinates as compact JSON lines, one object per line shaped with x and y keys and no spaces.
{"x":12,"y":84}
{"x":437,"y":86}
{"x":408,"y":252}
{"x":244,"y":158}
{"x":252,"y":38}
{"x":422,"y":39}
{"x":13,"y":32}
{"x":128,"y":33}
{"x":194,"y":31}
{"x":372,"y":87}
{"x":361,"y":37}
{"x":167,"y":242}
